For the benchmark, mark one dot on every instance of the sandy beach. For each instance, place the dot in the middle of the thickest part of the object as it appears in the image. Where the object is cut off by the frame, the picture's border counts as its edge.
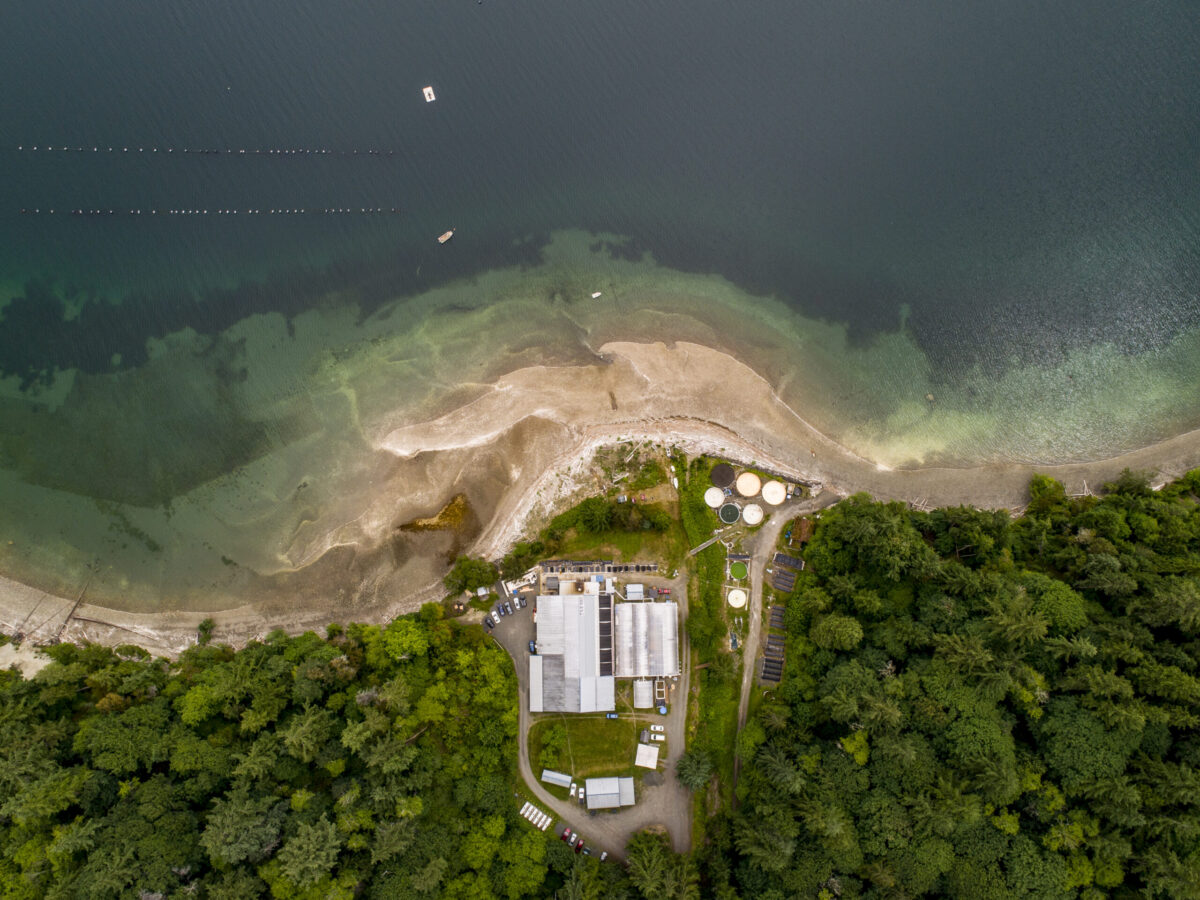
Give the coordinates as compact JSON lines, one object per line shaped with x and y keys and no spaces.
{"x":519,"y":449}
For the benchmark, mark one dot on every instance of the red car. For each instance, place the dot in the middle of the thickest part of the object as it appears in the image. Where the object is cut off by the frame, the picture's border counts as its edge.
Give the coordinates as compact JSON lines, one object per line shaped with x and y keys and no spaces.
{"x":578,"y":845}
{"x":566,"y":835}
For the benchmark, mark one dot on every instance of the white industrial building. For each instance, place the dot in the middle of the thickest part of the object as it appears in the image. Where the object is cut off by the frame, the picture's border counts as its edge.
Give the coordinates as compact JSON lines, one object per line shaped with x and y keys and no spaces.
{"x":609,"y":793}
{"x":573,"y":668}
{"x":646,"y":643}
{"x":585,"y":642}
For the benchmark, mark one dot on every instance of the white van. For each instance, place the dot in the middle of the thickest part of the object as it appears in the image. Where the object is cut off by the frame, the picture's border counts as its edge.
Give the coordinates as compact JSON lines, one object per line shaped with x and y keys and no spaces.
{"x":658,"y":737}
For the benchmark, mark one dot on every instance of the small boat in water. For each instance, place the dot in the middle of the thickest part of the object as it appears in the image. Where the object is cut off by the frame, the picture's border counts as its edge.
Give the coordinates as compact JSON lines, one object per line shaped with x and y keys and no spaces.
{"x":428,"y":92}
{"x":442,"y":238}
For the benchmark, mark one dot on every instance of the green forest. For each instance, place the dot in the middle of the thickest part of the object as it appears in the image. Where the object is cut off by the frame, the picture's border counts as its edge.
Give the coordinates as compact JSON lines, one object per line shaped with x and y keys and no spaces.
{"x":974,"y":706}
{"x":374,"y":762}
{"x":981,"y":707}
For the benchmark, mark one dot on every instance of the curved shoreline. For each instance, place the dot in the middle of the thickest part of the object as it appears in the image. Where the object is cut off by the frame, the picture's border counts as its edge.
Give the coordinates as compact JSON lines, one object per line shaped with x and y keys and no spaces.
{"x":545,"y":423}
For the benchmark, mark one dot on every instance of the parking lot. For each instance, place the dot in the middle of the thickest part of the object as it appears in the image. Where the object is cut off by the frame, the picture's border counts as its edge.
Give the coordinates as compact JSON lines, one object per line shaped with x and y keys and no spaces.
{"x":514,"y":632}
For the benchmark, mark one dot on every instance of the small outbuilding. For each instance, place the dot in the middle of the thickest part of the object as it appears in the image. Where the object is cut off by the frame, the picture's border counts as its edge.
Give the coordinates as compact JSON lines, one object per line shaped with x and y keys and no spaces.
{"x":643,"y":694}
{"x":609,"y":793}
{"x":551,"y":777}
{"x":647,"y":756}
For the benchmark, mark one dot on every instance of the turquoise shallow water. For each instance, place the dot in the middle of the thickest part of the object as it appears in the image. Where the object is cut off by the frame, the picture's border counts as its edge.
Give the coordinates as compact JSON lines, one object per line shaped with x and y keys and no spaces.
{"x":870,"y":204}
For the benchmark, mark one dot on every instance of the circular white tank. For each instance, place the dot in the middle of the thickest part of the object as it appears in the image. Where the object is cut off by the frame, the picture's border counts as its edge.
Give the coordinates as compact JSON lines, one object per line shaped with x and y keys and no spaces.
{"x":737,"y":598}
{"x":774,"y":493}
{"x":748,"y":484}
{"x":752,"y":514}
{"x":714,"y":497}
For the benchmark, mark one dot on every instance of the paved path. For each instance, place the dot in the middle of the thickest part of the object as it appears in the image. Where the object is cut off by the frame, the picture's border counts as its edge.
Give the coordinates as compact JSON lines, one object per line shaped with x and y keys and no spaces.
{"x":761,"y":547}
{"x":668,"y":804}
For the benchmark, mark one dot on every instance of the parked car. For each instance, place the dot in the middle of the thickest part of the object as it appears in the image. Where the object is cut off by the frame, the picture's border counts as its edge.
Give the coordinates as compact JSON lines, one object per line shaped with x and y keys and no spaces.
{"x":499,"y":612}
{"x":603,"y":855}
{"x":533,"y":647}
{"x":507,"y":608}
{"x":587,"y":851}
{"x":574,"y":789}
{"x":658,"y":737}
{"x":657,"y":729}
{"x":521,"y":602}
{"x":488,"y":624}
{"x":581,"y":794}
{"x":566,"y":835}
{"x":578,"y":845}
{"x":611,"y":716}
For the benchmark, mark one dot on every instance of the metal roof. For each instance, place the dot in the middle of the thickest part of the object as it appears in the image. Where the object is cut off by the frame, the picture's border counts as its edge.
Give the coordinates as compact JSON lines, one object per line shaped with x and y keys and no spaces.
{"x":643,"y":695}
{"x":609,"y":793}
{"x":626,"y":786}
{"x":647,"y":756}
{"x":574,"y":675}
{"x":646,"y":639}
{"x":535,"y":683}
{"x":551,"y":777}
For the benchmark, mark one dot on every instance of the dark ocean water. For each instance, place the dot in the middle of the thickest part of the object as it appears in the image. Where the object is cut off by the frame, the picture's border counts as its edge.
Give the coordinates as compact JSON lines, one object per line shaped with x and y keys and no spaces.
{"x":999,"y":203}
{"x":1024,"y":176}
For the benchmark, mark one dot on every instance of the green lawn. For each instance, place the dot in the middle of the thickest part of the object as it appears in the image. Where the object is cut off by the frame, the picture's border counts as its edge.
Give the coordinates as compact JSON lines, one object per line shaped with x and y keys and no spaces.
{"x":595,"y":746}
{"x":667,"y":548}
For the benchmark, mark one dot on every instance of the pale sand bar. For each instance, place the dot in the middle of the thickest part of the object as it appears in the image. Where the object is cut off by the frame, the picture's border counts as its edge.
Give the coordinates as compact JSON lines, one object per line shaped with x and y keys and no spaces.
{"x":532,"y":435}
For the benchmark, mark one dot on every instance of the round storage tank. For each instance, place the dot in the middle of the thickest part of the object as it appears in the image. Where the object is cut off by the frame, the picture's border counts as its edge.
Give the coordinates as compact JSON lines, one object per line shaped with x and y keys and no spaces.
{"x":729,"y":513}
{"x":714,"y":497}
{"x":774,"y":492}
{"x":748,"y":484}
{"x":753,"y":514}
{"x":721,"y":475}
{"x":737,"y":598}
